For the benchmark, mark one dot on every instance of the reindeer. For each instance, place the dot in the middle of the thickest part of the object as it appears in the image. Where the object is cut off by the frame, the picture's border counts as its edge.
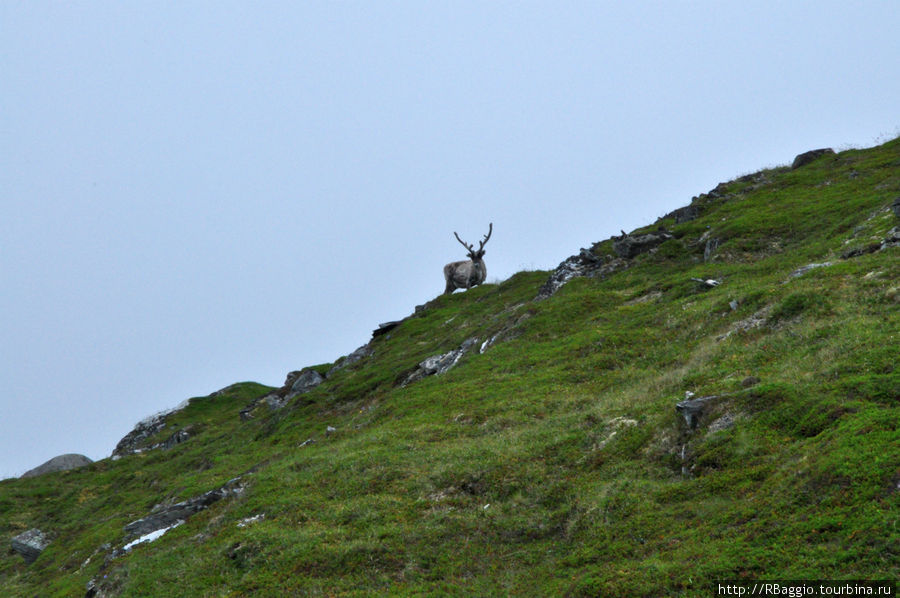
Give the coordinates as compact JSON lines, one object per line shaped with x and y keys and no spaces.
{"x":467,"y":273}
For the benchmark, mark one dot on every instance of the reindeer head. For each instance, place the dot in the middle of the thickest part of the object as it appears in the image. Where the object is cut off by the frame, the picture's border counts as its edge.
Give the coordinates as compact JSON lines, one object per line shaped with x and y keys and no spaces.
{"x":476,"y":254}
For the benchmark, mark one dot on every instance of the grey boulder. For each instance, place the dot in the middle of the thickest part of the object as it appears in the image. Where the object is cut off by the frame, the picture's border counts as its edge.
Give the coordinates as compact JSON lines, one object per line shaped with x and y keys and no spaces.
{"x":30,"y":544}
{"x":438,"y":364}
{"x":810,"y":156}
{"x":59,"y":463}
{"x":305,"y":381}
{"x":629,"y":246}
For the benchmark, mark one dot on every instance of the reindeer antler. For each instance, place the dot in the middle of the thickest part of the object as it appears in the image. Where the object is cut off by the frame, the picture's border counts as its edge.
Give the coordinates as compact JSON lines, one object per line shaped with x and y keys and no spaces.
{"x":481,"y":244}
{"x":469,"y":247}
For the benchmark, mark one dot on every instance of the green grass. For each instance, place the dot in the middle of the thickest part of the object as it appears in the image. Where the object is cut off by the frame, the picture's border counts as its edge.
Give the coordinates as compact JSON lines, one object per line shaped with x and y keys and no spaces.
{"x":554,"y":463}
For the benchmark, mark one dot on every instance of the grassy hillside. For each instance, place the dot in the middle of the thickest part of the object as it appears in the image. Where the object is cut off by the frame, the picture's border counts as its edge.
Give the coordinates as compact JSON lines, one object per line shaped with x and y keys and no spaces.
{"x":555,"y":462}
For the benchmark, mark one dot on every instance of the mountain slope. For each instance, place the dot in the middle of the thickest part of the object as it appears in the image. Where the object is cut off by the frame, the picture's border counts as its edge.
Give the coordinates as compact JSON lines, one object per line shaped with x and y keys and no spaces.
{"x":551,"y":458}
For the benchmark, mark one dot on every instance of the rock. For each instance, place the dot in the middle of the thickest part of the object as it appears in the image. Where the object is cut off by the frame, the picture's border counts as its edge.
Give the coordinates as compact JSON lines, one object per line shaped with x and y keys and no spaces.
{"x":439,"y":364}
{"x":685,"y":214}
{"x":166,"y":516}
{"x":629,"y":246}
{"x":756,"y":177}
{"x":810,"y":156}
{"x":718,"y":191}
{"x":358,"y":355}
{"x":567,"y":270}
{"x":386,"y":327}
{"x":708,"y":283}
{"x":307,"y":380}
{"x":858,"y":251}
{"x":892,"y":239}
{"x":693,"y":409}
{"x":896,"y":207}
{"x":296,"y":383}
{"x":147,"y":427}
{"x":251,"y":520}
{"x":130,"y":444}
{"x":709,"y":251}
{"x":60,"y":463}
{"x":803,"y":270}
{"x":585,"y":263}
{"x":151,"y":536}
{"x":273,"y":400}
{"x":30,"y":544}
{"x":488,"y":343}
{"x":143,"y":430}
{"x":754,"y":321}
{"x":176,"y":438}
{"x":646,"y":298}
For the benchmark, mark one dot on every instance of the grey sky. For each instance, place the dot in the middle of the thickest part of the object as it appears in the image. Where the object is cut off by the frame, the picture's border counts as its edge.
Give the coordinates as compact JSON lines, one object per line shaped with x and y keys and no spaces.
{"x":198,"y":193}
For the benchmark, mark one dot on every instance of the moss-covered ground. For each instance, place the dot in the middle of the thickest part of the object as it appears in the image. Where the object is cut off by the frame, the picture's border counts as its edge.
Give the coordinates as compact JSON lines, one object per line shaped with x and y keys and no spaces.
{"x":554,"y":463}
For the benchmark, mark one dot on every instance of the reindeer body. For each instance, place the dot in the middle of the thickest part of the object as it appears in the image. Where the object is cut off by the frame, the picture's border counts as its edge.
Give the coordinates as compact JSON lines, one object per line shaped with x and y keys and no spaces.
{"x":468,"y":273}
{"x":464,"y":274}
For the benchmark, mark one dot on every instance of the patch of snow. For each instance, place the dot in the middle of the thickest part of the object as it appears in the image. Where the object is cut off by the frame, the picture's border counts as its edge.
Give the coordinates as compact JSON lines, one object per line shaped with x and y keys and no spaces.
{"x":154,"y":535}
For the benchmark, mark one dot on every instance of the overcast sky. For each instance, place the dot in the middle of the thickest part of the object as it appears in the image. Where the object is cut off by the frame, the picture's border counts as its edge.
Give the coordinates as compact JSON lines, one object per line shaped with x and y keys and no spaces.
{"x":198,"y":193}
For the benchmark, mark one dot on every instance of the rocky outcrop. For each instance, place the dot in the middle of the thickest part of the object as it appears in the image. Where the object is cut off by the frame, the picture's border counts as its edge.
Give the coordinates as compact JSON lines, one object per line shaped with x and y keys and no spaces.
{"x":896,"y":207}
{"x":160,"y":520}
{"x":143,"y":430}
{"x":273,"y":401}
{"x":709,"y":412}
{"x":30,"y":544}
{"x":346,"y":361}
{"x":753,"y":322}
{"x":164,"y":516}
{"x":386,"y":327}
{"x":303,"y":381}
{"x":438,"y":364}
{"x":630,"y":245}
{"x":804,"y":269}
{"x":692,"y":410}
{"x":300,"y":382}
{"x":684,"y":214}
{"x":709,"y":250}
{"x":891,"y":239}
{"x":60,"y":463}
{"x":297,"y":383}
{"x":585,"y":263}
{"x":810,"y":156}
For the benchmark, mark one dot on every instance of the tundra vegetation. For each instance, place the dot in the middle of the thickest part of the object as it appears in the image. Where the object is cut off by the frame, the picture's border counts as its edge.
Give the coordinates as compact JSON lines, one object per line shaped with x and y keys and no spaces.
{"x":553,"y":462}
